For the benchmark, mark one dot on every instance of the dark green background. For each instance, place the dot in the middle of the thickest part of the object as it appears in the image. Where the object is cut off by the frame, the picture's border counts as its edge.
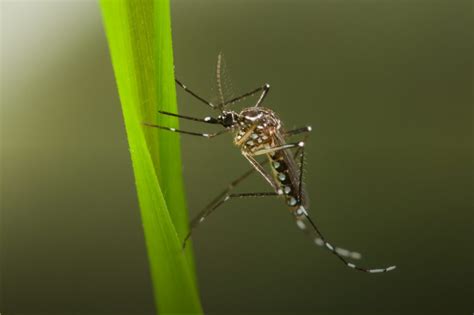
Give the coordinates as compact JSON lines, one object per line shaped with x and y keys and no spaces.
{"x":387,"y":87}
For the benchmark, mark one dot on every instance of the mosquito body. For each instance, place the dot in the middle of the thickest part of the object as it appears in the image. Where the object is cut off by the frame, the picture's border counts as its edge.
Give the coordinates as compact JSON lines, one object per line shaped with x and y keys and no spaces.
{"x":258,"y":131}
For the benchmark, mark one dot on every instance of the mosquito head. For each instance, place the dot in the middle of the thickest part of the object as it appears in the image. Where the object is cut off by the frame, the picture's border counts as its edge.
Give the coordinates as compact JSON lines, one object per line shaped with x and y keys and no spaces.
{"x":228,"y":118}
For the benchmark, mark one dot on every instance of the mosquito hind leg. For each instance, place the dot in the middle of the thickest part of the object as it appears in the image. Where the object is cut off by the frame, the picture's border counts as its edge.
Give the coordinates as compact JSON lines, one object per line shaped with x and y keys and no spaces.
{"x":319,"y":242}
{"x":338,"y":252}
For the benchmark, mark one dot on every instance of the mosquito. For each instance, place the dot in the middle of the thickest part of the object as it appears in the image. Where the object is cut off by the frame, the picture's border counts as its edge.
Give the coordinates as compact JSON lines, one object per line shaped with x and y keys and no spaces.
{"x":258,"y":131}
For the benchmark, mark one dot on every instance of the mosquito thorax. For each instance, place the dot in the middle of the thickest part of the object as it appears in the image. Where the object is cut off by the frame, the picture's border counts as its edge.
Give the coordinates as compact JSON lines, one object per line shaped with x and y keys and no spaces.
{"x":255,"y":128}
{"x":261,"y":117}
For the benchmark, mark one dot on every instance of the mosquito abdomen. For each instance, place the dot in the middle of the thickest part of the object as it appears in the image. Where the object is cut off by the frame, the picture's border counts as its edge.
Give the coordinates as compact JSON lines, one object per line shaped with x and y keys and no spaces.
{"x":284,"y":174}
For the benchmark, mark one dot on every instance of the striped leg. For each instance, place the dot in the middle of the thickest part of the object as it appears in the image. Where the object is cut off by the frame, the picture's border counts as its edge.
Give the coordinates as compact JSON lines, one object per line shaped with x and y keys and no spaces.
{"x":299,"y":220}
{"x":264,"y":89}
{"x":207,"y":120}
{"x":205,"y":135}
{"x":278,"y":148}
{"x":210,"y":207}
{"x":195,"y":95}
{"x":339,"y":252}
{"x":214,"y":205}
{"x":297,"y":131}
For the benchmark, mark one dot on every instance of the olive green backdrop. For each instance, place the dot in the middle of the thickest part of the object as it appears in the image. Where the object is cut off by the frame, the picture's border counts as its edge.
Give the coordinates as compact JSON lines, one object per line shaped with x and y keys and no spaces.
{"x":386,"y":86}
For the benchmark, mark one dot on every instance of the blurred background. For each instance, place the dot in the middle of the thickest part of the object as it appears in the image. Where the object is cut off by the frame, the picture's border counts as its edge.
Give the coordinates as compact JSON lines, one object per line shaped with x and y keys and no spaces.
{"x":386,"y":86}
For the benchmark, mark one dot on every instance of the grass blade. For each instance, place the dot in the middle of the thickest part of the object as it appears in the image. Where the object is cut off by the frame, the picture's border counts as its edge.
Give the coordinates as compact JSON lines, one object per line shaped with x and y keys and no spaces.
{"x":139,"y":36}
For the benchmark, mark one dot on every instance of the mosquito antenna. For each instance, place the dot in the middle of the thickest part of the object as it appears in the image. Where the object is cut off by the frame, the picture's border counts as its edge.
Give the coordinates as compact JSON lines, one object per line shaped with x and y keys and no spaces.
{"x":219,"y":79}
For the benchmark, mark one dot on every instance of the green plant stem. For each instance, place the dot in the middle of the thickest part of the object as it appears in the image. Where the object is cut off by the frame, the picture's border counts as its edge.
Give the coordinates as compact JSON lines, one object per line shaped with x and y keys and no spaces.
{"x":139,"y":36}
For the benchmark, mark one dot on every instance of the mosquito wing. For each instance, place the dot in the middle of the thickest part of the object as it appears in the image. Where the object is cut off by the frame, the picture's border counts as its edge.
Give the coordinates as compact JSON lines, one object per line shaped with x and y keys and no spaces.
{"x":293,"y":168}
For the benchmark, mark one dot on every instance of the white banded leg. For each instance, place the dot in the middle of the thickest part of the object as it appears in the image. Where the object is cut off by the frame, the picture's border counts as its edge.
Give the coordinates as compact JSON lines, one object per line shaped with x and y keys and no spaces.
{"x":339,"y":252}
{"x":205,"y":135}
{"x":301,"y":224}
{"x":319,"y":242}
{"x":341,"y":257}
{"x":297,"y":131}
{"x":264,"y":89}
{"x":278,"y":148}
{"x":213,"y":206}
{"x":195,"y":95}
{"x":207,"y":120}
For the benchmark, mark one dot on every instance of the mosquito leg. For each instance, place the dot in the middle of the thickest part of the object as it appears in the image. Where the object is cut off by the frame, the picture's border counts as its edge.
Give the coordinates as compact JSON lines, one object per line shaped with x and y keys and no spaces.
{"x":301,"y":224}
{"x":258,"y":166}
{"x":297,"y":131}
{"x":208,"y":120}
{"x":209,"y":208}
{"x":205,"y":135}
{"x":319,"y":242}
{"x":213,"y":206}
{"x":278,"y":148}
{"x":339,"y":252}
{"x":264,"y":89}
{"x":195,"y":95}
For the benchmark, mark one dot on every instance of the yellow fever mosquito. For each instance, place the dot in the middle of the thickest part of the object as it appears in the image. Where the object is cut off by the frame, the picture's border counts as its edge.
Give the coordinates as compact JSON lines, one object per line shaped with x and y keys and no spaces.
{"x":258,"y":131}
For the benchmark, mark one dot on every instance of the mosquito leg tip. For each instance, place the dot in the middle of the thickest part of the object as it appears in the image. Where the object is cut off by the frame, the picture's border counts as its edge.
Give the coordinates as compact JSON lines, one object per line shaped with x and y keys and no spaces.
{"x":309,"y":128}
{"x":391,"y":268}
{"x":267,"y":85}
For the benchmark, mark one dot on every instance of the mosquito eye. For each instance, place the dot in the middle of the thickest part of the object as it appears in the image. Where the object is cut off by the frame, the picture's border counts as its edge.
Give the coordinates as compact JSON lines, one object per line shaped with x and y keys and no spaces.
{"x":228,"y":120}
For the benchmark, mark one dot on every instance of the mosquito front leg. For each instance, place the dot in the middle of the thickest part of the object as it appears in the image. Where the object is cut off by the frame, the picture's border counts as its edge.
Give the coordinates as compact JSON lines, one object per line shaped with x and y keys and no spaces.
{"x":207,"y":120}
{"x":195,"y":95}
{"x":205,"y":135}
{"x":264,"y":89}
